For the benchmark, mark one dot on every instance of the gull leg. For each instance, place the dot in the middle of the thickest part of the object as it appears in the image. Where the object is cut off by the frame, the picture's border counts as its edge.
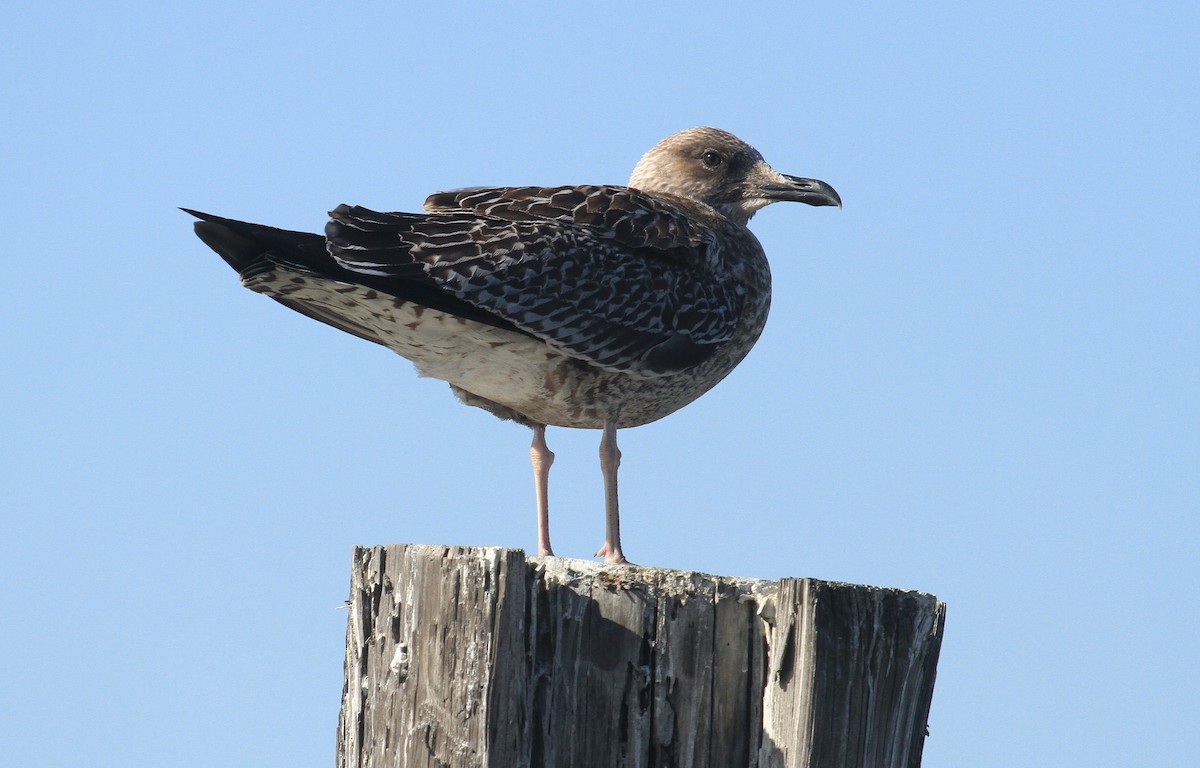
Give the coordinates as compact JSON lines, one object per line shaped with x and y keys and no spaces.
{"x":610,"y":459}
{"x":542,"y":457}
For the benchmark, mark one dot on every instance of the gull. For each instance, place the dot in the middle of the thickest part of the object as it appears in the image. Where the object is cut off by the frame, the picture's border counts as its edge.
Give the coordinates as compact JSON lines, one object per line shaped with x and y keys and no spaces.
{"x":592,"y":306}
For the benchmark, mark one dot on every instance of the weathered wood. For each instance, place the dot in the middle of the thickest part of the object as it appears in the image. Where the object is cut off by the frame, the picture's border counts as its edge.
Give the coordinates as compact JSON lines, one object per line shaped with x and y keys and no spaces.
{"x":462,"y":657}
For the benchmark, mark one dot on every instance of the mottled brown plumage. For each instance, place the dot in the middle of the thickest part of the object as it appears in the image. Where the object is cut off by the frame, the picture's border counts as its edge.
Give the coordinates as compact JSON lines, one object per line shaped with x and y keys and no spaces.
{"x":588,"y":306}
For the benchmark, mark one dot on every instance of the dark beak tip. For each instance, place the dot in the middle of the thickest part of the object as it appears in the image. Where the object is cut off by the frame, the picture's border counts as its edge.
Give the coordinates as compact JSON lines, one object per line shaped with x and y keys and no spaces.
{"x":810,"y":191}
{"x":824,"y":194}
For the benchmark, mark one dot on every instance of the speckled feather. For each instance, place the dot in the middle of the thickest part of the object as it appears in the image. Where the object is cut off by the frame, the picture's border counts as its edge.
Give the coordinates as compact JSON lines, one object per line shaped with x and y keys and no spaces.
{"x":572,"y":306}
{"x":622,"y":280}
{"x":592,"y":306}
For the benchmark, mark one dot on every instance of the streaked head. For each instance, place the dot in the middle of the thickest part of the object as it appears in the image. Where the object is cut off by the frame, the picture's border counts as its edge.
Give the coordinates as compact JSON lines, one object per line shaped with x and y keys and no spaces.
{"x":717,"y":168}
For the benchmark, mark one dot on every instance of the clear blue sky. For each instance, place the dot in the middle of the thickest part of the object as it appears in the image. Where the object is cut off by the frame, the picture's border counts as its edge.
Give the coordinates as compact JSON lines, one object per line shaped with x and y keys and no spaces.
{"x":981,"y":378}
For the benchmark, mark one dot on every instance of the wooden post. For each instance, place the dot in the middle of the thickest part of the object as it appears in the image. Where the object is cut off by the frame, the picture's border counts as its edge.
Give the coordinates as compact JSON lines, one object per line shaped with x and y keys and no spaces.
{"x":464,"y":657}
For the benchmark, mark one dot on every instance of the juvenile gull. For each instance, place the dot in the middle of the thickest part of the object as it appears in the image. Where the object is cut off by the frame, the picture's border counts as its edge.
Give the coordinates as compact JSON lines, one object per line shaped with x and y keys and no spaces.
{"x":594,"y":306}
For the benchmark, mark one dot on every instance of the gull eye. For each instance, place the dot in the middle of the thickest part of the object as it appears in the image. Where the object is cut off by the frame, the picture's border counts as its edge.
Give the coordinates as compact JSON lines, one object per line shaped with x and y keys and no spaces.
{"x":712,"y":159}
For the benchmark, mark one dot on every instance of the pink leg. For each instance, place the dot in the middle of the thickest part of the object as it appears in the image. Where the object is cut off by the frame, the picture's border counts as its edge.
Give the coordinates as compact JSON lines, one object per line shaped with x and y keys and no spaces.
{"x":610,"y":459}
{"x":542,"y":457}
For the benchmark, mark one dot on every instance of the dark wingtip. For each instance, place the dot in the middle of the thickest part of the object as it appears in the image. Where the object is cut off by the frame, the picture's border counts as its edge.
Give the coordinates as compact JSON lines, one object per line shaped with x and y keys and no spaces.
{"x":237,"y":251}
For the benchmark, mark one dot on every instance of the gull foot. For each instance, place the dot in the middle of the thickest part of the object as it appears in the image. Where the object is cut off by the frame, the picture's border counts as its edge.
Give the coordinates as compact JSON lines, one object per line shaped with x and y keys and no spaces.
{"x":612,"y":555}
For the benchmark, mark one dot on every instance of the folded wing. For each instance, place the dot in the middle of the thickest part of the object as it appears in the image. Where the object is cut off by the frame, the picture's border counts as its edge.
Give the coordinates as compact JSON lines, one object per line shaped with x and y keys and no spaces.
{"x":609,"y":275}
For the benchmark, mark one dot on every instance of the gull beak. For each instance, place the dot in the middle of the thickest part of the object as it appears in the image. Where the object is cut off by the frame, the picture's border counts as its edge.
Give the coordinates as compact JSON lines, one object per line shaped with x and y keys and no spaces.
{"x":784,"y":188}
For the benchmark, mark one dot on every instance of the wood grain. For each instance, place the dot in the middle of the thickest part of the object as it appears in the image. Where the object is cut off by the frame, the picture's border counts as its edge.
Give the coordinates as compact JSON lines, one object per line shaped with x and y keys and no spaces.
{"x":481,"y":656}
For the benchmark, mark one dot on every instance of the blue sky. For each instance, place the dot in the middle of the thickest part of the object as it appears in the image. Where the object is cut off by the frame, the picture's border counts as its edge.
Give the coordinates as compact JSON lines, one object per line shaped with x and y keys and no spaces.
{"x":981,"y":378}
